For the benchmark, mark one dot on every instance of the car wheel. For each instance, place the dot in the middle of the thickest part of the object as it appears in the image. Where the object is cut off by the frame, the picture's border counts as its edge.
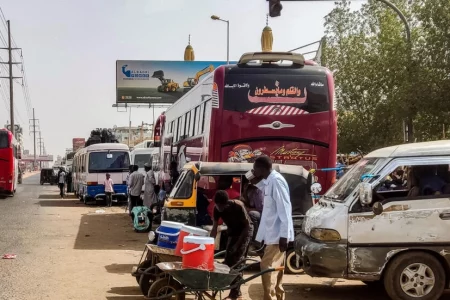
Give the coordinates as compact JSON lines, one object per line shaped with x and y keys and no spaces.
{"x":414,"y":275}
{"x":291,"y":263}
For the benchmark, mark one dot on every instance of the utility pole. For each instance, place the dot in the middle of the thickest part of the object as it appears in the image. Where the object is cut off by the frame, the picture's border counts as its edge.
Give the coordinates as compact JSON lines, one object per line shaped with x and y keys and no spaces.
{"x":40,"y":144}
{"x":34,"y":136}
{"x":11,"y":77}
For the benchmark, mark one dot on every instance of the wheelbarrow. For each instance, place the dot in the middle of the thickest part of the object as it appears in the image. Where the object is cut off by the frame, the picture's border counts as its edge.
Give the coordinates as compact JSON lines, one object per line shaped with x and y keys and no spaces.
{"x":201,"y":283}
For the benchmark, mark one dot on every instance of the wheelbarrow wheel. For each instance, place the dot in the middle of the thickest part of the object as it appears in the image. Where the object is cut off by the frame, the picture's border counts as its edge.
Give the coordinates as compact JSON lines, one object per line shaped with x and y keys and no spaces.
{"x":147,"y":279}
{"x":144,"y":265}
{"x":166,"y":286}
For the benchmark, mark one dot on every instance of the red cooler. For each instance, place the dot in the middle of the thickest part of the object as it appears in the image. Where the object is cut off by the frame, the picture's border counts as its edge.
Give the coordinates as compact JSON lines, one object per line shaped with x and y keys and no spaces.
{"x":188,"y":231}
{"x":198,"y":253}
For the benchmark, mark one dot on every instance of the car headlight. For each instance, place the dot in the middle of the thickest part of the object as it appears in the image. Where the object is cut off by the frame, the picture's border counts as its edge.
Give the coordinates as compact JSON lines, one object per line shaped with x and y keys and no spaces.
{"x":151,"y":236}
{"x":323,"y":234}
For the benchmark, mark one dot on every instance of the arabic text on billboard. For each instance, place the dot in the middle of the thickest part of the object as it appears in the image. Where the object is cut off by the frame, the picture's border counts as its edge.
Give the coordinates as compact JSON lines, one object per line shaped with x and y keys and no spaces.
{"x":159,"y":81}
{"x":78,"y":143}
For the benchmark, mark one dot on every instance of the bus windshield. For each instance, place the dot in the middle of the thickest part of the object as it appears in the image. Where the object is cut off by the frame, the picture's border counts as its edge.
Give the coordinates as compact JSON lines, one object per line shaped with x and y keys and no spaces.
{"x":308,"y":93}
{"x":108,"y":161}
{"x":141,"y":159}
{"x":4,"y":140}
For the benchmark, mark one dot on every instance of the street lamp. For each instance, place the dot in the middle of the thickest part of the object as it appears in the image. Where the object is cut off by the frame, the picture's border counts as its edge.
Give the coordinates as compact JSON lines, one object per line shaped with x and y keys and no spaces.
{"x":216,"y":18}
{"x":409,"y":121}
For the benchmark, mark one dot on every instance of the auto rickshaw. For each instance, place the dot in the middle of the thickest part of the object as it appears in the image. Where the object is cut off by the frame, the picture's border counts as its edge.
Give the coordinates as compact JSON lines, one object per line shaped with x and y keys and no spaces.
{"x":181,"y":205}
{"x":47,"y":176}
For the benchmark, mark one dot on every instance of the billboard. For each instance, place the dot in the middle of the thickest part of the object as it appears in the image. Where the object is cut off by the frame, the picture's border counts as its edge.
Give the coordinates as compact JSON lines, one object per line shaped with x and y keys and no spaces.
{"x":38,"y":157}
{"x":154,"y":81}
{"x":78,"y":143}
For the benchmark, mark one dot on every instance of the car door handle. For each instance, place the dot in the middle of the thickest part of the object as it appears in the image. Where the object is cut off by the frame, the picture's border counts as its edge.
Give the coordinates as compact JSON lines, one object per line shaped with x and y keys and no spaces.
{"x":445,"y":215}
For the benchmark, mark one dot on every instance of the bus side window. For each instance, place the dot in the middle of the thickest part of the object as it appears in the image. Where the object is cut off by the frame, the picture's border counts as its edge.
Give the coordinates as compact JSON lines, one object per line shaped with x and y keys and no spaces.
{"x":203,"y":117}
{"x":195,"y":124}
{"x":187,"y":124}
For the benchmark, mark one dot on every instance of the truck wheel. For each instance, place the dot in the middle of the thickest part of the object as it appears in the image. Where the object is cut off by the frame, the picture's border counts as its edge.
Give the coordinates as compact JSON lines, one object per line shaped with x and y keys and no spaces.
{"x":291,"y":264}
{"x":414,"y":275}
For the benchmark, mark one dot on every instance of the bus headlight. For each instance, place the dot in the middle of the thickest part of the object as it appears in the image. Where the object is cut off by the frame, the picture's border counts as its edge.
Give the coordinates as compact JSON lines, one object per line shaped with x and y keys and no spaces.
{"x":151,"y":236}
{"x":326,"y":235}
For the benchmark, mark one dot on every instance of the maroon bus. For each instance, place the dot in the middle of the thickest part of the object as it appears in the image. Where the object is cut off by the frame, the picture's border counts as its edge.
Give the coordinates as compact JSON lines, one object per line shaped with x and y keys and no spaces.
{"x":9,"y":162}
{"x":242,"y":111}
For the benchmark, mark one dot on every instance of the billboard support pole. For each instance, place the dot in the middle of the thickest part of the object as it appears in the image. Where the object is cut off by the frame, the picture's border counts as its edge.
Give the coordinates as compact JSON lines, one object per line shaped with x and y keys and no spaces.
{"x":129,"y":129}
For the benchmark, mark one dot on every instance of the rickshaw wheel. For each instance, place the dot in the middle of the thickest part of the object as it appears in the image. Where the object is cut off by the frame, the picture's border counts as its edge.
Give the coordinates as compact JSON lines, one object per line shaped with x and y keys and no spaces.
{"x":291,"y":267}
{"x":166,"y":286}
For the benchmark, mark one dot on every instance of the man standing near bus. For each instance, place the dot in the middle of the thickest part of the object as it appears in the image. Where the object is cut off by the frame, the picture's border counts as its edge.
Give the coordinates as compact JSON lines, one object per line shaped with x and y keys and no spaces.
{"x":135,"y":188}
{"x":276,"y":228}
{"x":61,"y":182}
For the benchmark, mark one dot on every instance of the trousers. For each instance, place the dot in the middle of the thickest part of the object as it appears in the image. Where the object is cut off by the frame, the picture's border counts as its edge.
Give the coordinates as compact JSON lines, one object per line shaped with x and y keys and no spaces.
{"x":273,"y":282}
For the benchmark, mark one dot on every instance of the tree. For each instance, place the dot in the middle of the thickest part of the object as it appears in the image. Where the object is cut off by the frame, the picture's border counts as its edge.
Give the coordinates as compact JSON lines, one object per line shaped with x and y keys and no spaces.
{"x":376,"y":78}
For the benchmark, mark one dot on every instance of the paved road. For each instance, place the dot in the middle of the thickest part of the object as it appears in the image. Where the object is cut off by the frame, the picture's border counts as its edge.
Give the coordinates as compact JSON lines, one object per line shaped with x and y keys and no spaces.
{"x":65,"y":250}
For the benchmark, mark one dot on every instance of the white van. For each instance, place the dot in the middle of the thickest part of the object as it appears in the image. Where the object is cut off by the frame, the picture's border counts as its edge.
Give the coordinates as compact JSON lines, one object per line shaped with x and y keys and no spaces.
{"x":386,"y":221}
{"x":141,"y":156}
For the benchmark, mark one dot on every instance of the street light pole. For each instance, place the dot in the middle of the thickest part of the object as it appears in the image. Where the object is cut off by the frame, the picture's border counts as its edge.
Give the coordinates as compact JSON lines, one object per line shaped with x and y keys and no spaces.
{"x":216,"y":18}
{"x":409,"y":119}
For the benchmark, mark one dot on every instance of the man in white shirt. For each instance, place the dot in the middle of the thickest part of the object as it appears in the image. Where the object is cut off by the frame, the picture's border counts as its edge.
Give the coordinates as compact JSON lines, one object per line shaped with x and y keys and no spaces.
{"x":61,"y":182}
{"x":276,"y":228}
{"x":109,"y":190}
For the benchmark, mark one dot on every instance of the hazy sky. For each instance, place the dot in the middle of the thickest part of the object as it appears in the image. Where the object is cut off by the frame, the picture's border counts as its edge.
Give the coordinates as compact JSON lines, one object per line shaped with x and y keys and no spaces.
{"x":70,"y":49}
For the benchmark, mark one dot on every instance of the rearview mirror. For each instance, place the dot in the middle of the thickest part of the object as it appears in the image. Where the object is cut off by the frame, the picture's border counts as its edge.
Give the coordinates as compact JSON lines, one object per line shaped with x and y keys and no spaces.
{"x":365,"y":193}
{"x":316,"y":188}
{"x":377,"y":208}
{"x":109,"y":155}
{"x":198,"y":176}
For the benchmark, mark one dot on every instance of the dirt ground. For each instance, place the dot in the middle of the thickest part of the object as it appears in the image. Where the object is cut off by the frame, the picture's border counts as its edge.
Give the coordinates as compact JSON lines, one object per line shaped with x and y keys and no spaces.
{"x":66,"y":250}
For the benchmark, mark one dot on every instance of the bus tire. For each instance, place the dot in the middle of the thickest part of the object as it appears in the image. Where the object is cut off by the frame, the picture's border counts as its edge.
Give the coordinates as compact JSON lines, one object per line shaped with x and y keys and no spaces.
{"x":411,"y":270}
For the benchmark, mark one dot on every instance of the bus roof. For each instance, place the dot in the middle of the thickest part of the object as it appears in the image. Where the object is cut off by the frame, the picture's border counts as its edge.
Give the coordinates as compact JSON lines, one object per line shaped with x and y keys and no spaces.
{"x":107,"y":146}
{"x":275,"y":69}
{"x":434,"y":148}
{"x":144,"y":150}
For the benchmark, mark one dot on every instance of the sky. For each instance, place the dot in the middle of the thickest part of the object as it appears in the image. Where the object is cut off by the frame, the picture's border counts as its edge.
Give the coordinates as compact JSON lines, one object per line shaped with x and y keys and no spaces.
{"x":70,"y":50}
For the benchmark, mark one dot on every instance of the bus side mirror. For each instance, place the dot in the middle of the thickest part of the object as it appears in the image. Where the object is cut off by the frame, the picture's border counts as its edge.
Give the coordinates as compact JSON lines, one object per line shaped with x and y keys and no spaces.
{"x":197,"y":176}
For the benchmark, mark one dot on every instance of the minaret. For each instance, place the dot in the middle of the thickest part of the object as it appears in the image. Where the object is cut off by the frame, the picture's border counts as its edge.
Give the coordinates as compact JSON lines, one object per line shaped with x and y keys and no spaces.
{"x":189,"y":51}
{"x":267,"y":37}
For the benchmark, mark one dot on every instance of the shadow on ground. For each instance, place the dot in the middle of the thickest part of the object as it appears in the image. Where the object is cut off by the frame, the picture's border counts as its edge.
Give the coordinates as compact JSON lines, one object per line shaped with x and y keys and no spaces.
{"x":60,"y":203}
{"x":108,"y":232}
{"x":321,"y":291}
{"x":125,"y":291}
{"x":120,"y":268}
{"x":56,"y":196}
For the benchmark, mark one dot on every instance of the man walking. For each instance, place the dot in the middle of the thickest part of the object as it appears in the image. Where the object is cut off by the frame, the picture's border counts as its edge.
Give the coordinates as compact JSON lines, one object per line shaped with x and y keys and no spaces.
{"x":276,"y":229}
{"x":149,"y":189}
{"x":61,"y":182}
{"x":135,"y":188}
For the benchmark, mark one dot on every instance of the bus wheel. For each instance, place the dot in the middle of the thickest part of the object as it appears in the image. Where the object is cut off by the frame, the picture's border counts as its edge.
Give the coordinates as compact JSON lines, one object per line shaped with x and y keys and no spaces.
{"x":291,"y":264}
{"x":414,"y":275}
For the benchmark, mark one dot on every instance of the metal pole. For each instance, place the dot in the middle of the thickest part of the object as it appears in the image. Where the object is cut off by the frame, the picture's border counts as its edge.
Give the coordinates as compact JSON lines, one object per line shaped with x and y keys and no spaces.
{"x":11,"y":88}
{"x":129,"y":129}
{"x":34,"y":139}
{"x":40,"y":149}
{"x":228,"y":42}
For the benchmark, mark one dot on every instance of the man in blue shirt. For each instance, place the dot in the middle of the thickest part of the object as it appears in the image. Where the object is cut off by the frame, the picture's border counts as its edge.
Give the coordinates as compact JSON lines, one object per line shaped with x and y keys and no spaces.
{"x":276,"y":228}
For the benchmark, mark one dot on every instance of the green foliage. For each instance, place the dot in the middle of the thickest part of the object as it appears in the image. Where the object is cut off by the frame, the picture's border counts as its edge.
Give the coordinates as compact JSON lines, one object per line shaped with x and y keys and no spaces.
{"x":381,"y":79}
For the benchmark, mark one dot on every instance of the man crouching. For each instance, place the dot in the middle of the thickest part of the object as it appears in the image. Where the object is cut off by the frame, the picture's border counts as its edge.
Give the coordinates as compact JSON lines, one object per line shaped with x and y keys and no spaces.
{"x":239,"y":229}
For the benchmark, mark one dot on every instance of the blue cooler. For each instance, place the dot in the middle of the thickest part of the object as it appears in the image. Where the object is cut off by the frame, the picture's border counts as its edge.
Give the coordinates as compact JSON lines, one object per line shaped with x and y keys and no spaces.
{"x":168,"y":234}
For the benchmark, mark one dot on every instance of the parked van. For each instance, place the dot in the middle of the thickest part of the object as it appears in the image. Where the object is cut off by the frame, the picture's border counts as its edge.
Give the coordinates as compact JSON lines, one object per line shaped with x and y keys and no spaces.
{"x":386,"y":221}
